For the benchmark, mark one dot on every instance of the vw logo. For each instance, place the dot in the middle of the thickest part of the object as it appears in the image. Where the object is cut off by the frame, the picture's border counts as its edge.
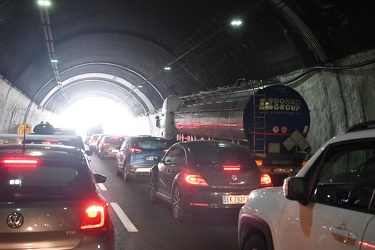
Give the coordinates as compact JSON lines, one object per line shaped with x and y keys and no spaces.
{"x":15,"y":220}
{"x":234,"y":177}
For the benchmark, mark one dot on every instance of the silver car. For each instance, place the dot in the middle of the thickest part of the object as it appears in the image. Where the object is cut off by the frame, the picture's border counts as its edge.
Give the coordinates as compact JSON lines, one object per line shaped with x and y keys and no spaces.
{"x":49,"y":200}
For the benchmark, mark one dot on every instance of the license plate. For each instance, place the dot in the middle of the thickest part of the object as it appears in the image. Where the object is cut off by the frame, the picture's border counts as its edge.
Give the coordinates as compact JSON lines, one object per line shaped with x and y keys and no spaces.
{"x":235,"y":199}
{"x":114,"y":150}
{"x":283,"y":170}
{"x":150,"y":158}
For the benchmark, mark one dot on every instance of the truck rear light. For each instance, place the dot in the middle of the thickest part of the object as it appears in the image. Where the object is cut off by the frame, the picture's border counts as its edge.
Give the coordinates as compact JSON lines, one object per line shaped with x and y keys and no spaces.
{"x":259,"y":163}
{"x":196,"y":180}
{"x":265,"y":180}
{"x":135,"y":150}
{"x":231,"y":167}
{"x":94,"y":217}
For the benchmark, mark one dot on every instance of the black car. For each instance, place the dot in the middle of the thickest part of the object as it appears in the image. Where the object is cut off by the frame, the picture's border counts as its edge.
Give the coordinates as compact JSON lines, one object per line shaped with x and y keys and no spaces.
{"x":197,"y":175}
{"x":49,"y":199}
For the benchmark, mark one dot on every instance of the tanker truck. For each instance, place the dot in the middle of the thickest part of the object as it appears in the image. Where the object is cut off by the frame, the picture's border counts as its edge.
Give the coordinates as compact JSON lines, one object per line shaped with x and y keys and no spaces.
{"x":271,"y":121}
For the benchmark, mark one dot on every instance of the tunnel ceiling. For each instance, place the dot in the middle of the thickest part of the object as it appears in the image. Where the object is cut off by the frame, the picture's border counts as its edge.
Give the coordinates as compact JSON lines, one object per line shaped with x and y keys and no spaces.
{"x":118,"y":49}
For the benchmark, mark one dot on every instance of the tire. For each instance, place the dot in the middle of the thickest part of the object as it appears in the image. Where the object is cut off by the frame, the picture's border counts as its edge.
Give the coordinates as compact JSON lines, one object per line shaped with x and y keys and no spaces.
{"x":127,"y":177}
{"x":255,"y":242}
{"x":180,"y":212}
{"x":152,"y":189}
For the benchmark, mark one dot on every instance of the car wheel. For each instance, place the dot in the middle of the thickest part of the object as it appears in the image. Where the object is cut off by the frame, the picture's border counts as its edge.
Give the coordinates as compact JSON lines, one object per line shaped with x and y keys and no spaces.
{"x":152,"y":189}
{"x":127,"y":177}
{"x":180,"y":212}
{"x":255,"y":242}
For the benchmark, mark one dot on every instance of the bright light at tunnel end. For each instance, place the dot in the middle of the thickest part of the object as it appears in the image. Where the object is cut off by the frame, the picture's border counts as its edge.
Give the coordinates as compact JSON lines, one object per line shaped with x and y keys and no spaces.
{"x":93,"y":112}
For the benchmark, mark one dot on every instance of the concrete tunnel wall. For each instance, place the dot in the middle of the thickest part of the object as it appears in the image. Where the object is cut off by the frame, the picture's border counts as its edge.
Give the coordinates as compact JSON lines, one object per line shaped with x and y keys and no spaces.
{"x":337,"y":99}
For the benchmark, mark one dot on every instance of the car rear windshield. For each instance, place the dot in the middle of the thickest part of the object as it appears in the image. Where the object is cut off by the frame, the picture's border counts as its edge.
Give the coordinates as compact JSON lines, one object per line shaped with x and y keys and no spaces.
{"x":114,"y":140}
{"x":44,"y":182}
{"x":213,"y":156}
{"x":151,"y":144}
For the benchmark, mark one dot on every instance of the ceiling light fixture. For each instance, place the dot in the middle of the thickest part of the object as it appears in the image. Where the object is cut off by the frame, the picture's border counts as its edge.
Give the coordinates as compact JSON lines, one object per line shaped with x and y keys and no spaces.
{"x":54,"y":61}
{"x":167,"y":68}
{"x":44,"y":2}
{"x":236,"y":22}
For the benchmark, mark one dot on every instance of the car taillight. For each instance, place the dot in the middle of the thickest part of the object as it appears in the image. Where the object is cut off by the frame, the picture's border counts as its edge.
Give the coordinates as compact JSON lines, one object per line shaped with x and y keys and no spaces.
{"x":94,"y":217}
{"x":106,"y":144}
{"x":196,"y":180}
{"x":259,"y":163}
{"x":165,"y":150}
{"x":231,"y":167}
{"x":135,"y":150}
{"x":303,"y":163}
{"x":20,"y":162}
{"x":265,"y":180}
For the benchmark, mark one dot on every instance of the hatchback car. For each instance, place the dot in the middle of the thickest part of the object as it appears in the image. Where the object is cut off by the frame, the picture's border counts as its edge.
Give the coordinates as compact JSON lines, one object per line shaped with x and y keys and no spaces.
{"x":138,"y":154}
{"x":205,"y":175}
{"x":49,"y":200}
{"x":329,"y":204}
{"x":108,"y":146}
{"x":92,"y":141}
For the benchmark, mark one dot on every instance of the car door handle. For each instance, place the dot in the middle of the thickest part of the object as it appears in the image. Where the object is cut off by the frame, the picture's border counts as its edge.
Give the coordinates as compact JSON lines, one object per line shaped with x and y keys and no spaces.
{"x":342,"y":231}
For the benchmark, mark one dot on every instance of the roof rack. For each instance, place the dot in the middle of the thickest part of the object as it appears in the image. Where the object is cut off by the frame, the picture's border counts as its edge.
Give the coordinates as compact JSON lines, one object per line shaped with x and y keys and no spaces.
{"x":361,"y":126}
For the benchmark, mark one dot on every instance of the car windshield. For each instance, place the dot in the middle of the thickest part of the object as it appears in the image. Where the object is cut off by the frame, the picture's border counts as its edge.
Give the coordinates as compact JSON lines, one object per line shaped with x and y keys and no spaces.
{"x":151,"y":144}
{"x":213,"y":156}
{"x":41,"y":183}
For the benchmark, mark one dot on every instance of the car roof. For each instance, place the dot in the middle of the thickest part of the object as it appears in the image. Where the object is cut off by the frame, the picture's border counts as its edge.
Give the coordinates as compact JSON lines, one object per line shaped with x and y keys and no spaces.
{"x":147,"y":137}
{"x":213,"y":143}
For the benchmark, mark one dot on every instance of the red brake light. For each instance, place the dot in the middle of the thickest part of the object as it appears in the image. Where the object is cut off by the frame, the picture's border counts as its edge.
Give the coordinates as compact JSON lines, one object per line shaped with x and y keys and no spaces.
{"x":51,"y":141}
{"x":94,"y":217}
{"x":135,"y":150}
{"x":165,"y":150}
{"x":232,"y":167}
{"x":20,"y":162}
{"x":195,"y":180}
{"x":265,"y":180}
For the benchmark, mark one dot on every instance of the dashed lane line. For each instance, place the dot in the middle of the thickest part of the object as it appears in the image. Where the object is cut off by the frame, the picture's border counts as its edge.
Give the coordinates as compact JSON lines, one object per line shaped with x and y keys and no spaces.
{"x":102,"y":187}
{"x":124,"y":219}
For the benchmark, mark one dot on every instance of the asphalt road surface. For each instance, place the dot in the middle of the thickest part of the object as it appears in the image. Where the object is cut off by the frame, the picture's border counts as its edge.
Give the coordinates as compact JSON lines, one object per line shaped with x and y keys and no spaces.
{"x":140,"y":224}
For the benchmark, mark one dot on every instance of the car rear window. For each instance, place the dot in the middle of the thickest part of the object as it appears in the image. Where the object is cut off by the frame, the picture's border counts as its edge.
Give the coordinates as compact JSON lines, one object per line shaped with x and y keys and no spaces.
{"x":113,"y":140}
{"x":151,"y":144}
{"x":54,"y":181}
{"x":213,"y":156}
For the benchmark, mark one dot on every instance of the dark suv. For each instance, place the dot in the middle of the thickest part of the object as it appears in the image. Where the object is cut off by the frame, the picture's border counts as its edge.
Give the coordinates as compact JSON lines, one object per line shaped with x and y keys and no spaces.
{"x":49,"y":199}
{"x":138,"y":154}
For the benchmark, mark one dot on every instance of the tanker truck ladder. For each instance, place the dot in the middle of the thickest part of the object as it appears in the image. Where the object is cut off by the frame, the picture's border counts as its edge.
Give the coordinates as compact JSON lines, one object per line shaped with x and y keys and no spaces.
{"x":259,"y":139}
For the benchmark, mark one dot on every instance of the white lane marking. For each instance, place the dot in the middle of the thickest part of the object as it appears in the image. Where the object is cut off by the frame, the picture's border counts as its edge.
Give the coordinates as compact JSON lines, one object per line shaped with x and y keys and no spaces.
{"x":102,"y":187}
{"x":124,"y":219}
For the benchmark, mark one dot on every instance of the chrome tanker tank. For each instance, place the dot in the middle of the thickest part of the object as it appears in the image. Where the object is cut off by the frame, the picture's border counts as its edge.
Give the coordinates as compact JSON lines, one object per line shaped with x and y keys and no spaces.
{"x":272,"y":119}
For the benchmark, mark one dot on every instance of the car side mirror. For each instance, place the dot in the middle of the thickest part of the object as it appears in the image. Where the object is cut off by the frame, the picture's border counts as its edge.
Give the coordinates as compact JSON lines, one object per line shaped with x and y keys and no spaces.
{"x":295,"y":188}
{"x":99,"y":178}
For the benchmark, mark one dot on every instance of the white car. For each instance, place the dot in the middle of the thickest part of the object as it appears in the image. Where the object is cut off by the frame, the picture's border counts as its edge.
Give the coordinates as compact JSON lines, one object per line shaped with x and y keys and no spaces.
{"x":329,"y":204}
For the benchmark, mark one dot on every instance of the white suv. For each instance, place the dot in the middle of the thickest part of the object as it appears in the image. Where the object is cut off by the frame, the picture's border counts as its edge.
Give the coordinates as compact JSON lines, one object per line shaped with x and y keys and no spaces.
{"x":329,"y":204}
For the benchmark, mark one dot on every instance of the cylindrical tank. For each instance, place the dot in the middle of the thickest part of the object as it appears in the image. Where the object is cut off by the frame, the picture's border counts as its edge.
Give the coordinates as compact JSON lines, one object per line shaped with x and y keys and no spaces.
{"x":264,"y":117}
